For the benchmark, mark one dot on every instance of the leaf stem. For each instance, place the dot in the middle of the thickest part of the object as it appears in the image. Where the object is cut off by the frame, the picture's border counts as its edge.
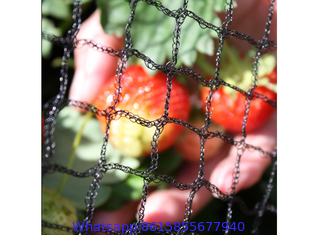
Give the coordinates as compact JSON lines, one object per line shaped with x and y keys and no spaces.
{"x":206,"y":68}
{"x":233,"y":59}
{"x":76,"y":143}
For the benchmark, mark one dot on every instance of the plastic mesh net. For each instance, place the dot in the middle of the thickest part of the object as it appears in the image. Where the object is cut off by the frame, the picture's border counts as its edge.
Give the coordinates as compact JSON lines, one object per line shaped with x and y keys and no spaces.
{"x":96,"y":173}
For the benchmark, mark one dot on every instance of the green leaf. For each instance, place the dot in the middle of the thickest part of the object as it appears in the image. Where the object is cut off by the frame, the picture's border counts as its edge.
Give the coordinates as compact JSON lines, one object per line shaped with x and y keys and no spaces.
{"x":131,"y":188}
{"x":115,"y":176}
{"x":205,"y":45}
{"x":113,"y":203}
{"x":114,"y":16}
{"x":152,"y":31}
{"x":87,"y":155}
{"x":46,"y":48}
{"x":189,"y":57}
{"x":169,"y":161}
{"x":76,"y":189}
{"x":190,"y":35}
{"x":49,"y":28}
{"x":88,"y":152}
{"x":124,"y":192}
{"x":56,"y":8}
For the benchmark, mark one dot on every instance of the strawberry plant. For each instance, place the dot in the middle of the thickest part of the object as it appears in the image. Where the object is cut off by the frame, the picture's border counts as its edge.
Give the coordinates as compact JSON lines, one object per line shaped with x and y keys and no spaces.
{"x":152,"y":30}
{"x":144,"y":97}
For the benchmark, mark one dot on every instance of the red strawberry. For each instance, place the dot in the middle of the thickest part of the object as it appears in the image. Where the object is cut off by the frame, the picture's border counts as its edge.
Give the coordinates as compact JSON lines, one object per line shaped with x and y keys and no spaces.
{"x":229,"y":105}
{"x":229,"y":112}
{"x":143,"y":95}
{"x":188,"y":144}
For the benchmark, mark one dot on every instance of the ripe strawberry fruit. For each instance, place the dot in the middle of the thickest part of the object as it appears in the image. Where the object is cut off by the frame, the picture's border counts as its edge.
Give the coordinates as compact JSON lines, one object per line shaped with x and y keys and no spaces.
{"x":272,"y":76}
{"x":229,"y":105}
{"x":229,"y":112}
{"x":143,"y":95}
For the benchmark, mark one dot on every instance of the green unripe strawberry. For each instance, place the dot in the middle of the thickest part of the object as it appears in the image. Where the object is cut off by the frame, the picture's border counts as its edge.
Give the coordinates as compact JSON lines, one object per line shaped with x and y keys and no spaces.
{"x":57,"y":210}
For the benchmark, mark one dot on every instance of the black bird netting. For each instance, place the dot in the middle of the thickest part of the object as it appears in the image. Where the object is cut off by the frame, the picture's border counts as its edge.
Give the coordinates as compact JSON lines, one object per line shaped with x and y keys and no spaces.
{"x":97,"y":173}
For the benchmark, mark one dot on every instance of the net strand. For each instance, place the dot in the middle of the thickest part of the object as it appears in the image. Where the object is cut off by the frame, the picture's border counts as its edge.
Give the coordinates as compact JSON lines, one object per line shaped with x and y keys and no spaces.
{"x":70,"y":42}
